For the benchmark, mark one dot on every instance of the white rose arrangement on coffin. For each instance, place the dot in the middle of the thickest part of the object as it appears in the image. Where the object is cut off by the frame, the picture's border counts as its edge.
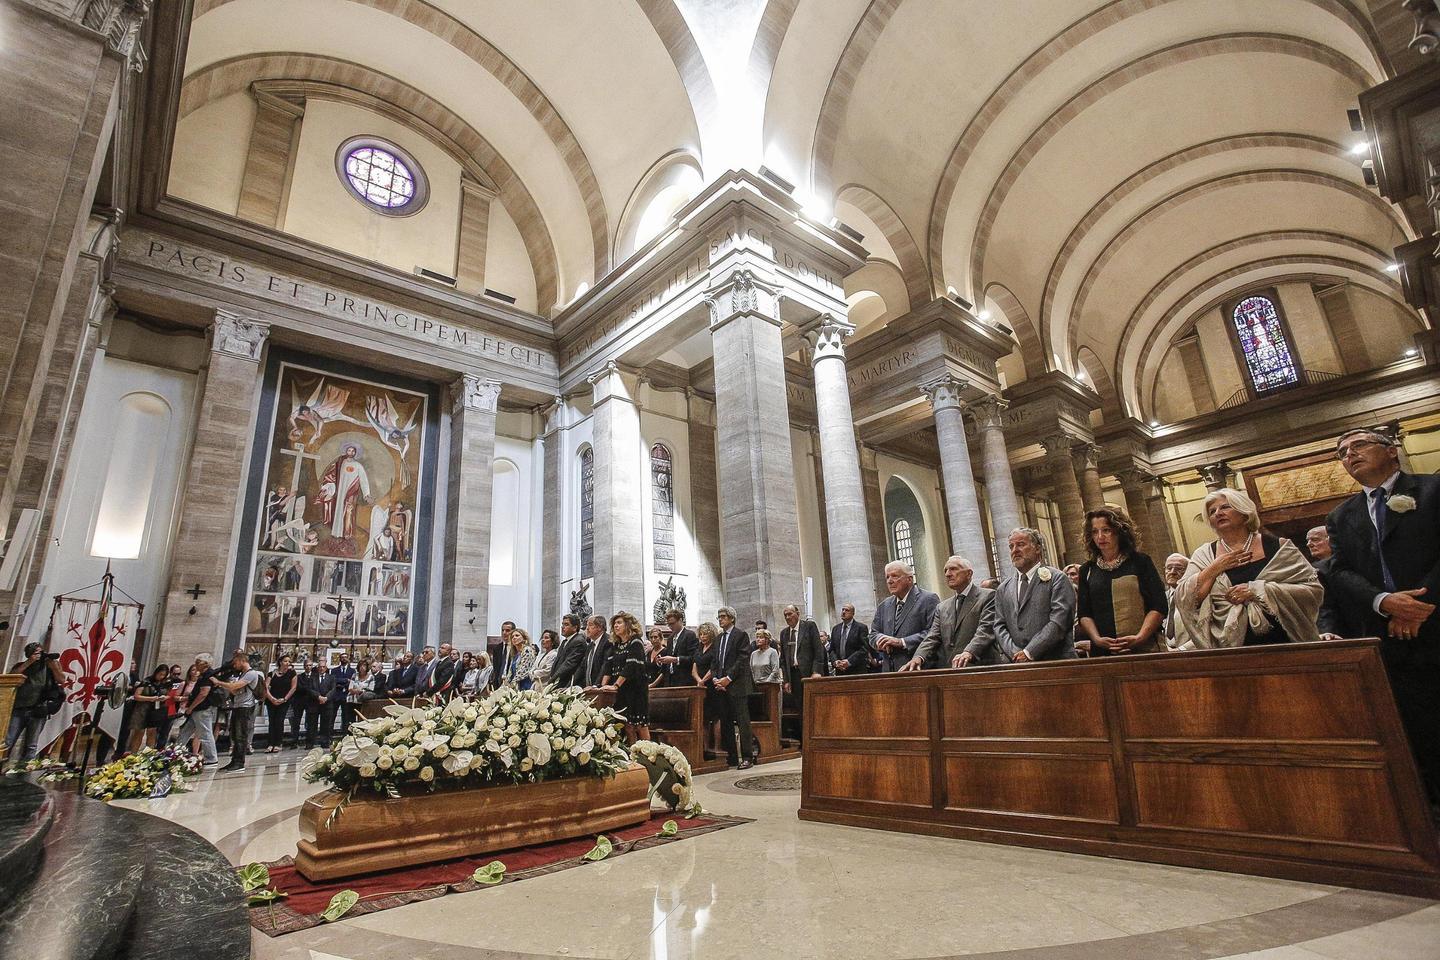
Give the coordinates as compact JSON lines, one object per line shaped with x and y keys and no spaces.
{"x":433,"y":783}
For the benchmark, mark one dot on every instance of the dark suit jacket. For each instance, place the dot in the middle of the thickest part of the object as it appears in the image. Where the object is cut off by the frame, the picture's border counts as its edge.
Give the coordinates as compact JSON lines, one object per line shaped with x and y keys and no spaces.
{"x":592,"y":667}
{"x":1411,"y":542}
{"x":402,"y":679}
{"x":855,"y":648}
{"x":956,"y":626}
{"x":914,"y":622}
{"x":569,"y":659}
{"x":736,"y":665}
{"x":685,"y":645}
{"x":811,"y":652}
{"x":1330,"y":618}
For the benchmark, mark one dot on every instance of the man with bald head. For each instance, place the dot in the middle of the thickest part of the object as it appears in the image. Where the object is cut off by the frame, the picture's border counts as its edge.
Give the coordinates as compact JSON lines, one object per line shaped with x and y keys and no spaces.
{"x":1175,"y":566}
{"x":902,"y":618}
{"x":1330,"y":621}
{"x":966,"y":617}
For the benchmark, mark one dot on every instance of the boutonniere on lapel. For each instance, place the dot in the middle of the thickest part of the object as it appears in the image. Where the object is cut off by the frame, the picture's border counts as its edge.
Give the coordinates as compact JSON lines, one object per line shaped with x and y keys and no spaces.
{"x":1045,"y":573}
{"x":1400,"y":503}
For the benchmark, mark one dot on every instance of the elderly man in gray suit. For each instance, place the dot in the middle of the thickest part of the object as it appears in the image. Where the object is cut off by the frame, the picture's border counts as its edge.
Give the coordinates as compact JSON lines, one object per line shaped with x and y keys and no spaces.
{"x":965,"y":618}
{"x":1034,"y":609}
{"x":902,"y":618}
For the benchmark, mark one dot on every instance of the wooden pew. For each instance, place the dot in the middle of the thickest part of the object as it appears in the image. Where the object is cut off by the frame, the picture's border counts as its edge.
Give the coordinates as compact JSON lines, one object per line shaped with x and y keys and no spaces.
{"x":677,"y":717}
{"x":1285,"y":761}
{"x":765,"y":716}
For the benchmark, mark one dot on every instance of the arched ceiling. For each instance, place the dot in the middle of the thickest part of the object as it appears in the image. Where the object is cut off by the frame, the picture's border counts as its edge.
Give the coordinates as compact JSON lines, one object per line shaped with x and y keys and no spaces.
{"x":1091,"y":171}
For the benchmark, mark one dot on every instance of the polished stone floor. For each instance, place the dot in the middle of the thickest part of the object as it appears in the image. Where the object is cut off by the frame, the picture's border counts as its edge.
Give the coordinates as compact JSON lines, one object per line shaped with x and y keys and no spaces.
{"x":790,"y":890}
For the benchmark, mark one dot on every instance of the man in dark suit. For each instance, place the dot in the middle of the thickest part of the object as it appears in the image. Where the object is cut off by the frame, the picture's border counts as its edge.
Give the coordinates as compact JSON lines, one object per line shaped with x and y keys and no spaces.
{"x":802,"y":656}
{"x":1385,"y":571}
{"x":850,"y":642}
{"x":967,"y":616}
{"x":401,"y":681}
{"x":684,"y":645}
{"x":571,"y":656}
{"x":732,"y":655}
{"x":442,"y":678}
{"x":902,"y":618}
{"x":1329,"y":621}
{"x":340,"y":676}
{"x":592,"y":669}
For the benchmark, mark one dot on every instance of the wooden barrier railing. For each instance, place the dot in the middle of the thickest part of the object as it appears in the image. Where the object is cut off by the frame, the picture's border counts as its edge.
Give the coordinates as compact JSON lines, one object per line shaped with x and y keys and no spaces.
{"x":677,"y":717}
{"x":1285,"y":761}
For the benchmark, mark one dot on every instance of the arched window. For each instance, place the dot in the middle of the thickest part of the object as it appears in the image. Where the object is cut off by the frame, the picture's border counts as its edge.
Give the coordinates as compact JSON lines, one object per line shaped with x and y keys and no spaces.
{"x":662,"y":508}
{"x":137,"y":444}
{"x":587,"y":513}
{"x":1260,"y":331}
{"x":904,"y":548}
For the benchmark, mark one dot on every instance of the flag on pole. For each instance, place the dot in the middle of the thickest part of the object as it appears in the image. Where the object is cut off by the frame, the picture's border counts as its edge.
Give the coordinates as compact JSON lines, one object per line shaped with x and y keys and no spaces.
{"x":95,"y":640}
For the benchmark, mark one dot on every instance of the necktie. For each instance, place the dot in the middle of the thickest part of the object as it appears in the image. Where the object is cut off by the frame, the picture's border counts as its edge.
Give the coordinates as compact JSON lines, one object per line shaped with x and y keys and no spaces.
{"x":899,"y":611}
{"x":794,"y":646}
{"x":1024,"y":590}
{"x":724,"y":639}
{"x":1382,"y":512}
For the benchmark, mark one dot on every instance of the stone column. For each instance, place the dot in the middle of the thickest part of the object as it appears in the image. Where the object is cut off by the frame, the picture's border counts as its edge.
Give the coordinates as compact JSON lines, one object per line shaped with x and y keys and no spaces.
{"x":852,"y":579}
{"x":1087,"y":470}
{"x":967,"y":533}
{"x":205,"y":548}
{"x":1216,"y":475}
{"x":465,"y":596}
{"x":1005,"y":515}
{"x":705,"y":505}
{"x":1162,"y":541}
{"x":474,"y":239}
{"x":267,"y":164}
{"x":552,"y":601}
{"x":1067,"y":497}
{"x":1134,"y":483}
{"x":759,"y":532}
{"x":874,"y":517}
{"x":619,"y":552}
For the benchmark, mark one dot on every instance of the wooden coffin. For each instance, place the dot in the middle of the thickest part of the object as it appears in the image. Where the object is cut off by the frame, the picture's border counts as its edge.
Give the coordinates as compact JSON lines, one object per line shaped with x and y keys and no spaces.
{"x":375,"y":832}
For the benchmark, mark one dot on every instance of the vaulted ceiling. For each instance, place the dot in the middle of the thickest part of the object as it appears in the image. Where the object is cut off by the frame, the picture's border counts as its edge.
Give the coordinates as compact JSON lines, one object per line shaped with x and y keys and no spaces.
{"x":1094,"y":172}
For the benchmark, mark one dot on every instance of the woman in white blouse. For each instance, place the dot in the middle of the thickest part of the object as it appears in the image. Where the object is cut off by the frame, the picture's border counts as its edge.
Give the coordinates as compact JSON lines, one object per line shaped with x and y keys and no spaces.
{"x":477,"y":678}
{"x":549,"y":644}
{"x":765,"y":660}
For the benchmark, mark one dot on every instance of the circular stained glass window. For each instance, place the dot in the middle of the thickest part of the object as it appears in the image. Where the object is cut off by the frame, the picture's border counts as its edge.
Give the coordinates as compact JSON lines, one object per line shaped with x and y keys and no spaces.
{"x":382,"y":176}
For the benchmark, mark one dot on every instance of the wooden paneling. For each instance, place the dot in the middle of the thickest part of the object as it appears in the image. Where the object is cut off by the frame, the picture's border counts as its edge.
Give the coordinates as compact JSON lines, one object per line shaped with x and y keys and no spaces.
{"x":1034,"y":710}
{"x":1284,"y":761}
{"x":1327,"y":706}
{"x":1079,"y":788}
{"x":677,"y":717}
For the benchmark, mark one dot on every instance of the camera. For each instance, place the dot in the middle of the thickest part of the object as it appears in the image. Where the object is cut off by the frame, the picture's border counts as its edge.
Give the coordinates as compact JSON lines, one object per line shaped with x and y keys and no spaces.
{"x":52,"y":656}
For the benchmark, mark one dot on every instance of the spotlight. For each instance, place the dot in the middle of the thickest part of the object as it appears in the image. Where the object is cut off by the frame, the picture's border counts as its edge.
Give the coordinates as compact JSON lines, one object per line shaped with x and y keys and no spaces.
{"x":1154,"y":423}
{"x":1360,"y":149}
{"x":1392,"y":268}
{"x":1412,"y":352}
{"x":984,"y":314}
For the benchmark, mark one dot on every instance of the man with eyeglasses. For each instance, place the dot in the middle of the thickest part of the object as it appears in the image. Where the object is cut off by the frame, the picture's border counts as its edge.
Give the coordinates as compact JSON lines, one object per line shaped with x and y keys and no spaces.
{"x":1385,"y":573}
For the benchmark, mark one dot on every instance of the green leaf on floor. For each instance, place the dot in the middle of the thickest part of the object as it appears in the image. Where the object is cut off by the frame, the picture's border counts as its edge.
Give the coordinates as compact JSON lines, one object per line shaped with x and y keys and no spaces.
{"x":669,"y":828}
{"x":340,"y":905}
{"x":603,"y":846}
{"x":268,"y":895}
{"x":253,"y":876}
{"x":490,"y":874}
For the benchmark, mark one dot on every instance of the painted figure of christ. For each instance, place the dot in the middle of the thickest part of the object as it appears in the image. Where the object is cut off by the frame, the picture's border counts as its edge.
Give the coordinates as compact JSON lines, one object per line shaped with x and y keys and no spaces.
{"x":342,"y":487}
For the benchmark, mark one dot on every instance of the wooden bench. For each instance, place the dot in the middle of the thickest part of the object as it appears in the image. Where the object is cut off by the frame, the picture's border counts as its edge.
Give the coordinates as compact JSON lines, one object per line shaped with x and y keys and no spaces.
{"x":766,"y":714}
{"x":1285,"y":761}
{"x":677,"y":717}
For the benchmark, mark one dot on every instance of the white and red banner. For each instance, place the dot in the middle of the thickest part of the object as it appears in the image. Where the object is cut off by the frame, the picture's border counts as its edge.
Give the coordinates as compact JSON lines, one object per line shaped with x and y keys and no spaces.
{"x":95,"y":640}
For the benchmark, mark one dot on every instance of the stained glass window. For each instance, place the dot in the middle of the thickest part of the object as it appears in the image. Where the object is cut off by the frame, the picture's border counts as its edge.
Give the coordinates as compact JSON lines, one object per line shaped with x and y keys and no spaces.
{"x":662,"y":508}
{"x":904,"y":548}
{"x":587,"y":513}
{"x":1262,"y":340}
{"x":382,"y":176}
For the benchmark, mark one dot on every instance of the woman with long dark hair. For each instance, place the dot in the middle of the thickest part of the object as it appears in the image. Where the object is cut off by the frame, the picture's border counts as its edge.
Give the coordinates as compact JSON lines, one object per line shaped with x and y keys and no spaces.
{"x":1120,"y":598}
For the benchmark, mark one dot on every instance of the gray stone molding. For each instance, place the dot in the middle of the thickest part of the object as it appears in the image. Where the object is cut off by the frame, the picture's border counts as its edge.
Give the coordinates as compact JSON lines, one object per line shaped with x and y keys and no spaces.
{"x":120,"y":21}
{"x":551,"y":415}
{"x":238,"y":336}
{"x":944,"y":391}
{"x":701,"y":408}
{"x":475,"y":393}
{"x":613,"y":382}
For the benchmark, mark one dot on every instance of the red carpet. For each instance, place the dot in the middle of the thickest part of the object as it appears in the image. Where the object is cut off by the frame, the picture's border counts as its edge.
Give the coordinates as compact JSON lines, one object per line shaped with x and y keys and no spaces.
{"x":380,"y":891}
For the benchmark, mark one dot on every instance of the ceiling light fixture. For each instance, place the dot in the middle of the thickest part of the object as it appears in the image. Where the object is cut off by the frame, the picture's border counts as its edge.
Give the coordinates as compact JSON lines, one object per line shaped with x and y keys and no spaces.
{"x":1392,"y":268}
{"x":984,"y":314}
{"x":1363,"y":147}
{"x":1412,"y":352}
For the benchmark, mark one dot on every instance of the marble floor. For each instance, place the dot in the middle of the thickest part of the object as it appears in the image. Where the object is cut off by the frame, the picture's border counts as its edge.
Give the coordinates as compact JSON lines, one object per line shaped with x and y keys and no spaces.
{"x":791,"y":890}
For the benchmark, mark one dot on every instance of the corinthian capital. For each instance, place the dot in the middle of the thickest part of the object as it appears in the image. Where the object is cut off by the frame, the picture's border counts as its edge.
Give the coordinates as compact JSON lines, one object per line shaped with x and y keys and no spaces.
{"x":944,"y":391}
{"x":238,"y":336}
{"x":989,"y":411}
{"x":826,"y":335}
{"x":475,"y":393}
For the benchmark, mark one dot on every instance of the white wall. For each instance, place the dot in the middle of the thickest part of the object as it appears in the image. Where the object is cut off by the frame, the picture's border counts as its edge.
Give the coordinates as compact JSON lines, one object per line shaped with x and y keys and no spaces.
{"x":211,"y":144}
{"x":507,"y":263}
{"x":808,"y":513}
{"x":514,"y":535}
{"x":925,"y":483}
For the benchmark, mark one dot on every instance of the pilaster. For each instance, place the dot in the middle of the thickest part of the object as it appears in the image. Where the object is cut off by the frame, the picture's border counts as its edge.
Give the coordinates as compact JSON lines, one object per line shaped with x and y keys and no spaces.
{"x":465,"y":594}
{"x":475,"y":200}
{"x":270,"y":158}
{"x":552,"y":439}
{"x":619,"y":553}
{"x":705,"y":503}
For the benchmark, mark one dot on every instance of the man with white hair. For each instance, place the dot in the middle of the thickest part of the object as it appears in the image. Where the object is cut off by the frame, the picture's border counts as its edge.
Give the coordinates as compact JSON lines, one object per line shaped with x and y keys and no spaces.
{"x":967,"y":617}
{"x":1330,"y":621}
{"x":902,"y":618}
{"x":198,"y":713}
{"x":1034,"y":607}
{"x":1175,"y":566}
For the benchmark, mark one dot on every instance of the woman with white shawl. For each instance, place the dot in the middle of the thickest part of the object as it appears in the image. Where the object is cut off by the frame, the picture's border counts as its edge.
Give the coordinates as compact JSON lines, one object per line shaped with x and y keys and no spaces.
{"x":1247,"y":587}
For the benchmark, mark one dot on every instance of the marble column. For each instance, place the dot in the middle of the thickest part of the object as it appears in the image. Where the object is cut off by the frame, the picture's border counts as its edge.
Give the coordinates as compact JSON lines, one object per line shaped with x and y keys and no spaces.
{"x":1087,"y":470}
{"x":851,"y":569}
{"x":759,"y":532}
{"x":205,"y":548}
{"x":1216,"y":475}
{"x":874,"y":517}
{"x":619,"y":552}
{"x":1162,"y":541}
{"x":1005,"y":515}
{"x":705,"y":505}
{"x":967,"y":532}
{"x":465,"y":595}
{"x":553,"y":603}
{"x":1067,"y":497}
{"x":1134,"y":483}
{"x":267,"y":164}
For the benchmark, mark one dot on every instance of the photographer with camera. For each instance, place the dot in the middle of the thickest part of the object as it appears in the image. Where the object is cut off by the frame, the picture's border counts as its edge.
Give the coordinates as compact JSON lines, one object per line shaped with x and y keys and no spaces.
{"x":38,"y":698}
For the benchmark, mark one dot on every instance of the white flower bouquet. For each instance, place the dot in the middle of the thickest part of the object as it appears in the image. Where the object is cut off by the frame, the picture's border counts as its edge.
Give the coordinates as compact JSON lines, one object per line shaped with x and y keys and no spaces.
{"x":145,"y":773}
{"x":511,"y":736}
{"x":670,"y":775}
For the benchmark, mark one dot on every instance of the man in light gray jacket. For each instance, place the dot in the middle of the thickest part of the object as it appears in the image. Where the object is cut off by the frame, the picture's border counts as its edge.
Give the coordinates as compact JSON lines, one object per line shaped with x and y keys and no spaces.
{"x":964,"y":618}
{"x":1034,"y":609}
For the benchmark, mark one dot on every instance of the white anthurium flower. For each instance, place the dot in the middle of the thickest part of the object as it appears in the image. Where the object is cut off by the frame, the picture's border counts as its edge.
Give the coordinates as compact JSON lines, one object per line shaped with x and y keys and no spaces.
{"x":537,"y":749}
{"x":357,"y":752}
{"x":493,"y":746}
{"x":314,"y":760}
{"x":459,"y":761}
{"x":454,"y":710}
{"x":398,"y":710}
{"x":507,"y":758}
{"x":584,"y":746}
{"x":431,"y":741}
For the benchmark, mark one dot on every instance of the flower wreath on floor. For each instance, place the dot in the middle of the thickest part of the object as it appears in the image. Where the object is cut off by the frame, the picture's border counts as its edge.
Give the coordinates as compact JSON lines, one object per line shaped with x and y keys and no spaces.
{"x":511,"y":736}
{"x":670,"y":776}
{"x":146,"y":773}
{"x":46,"y":770}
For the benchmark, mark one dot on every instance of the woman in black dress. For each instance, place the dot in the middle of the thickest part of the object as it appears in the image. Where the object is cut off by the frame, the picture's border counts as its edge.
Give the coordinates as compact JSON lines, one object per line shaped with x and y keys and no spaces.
{"x":278,"y":694}
{"x":1120,"y":598}
{"x":625,"y":675}
{"x":150,"y":697}
{"x":703,"y":672}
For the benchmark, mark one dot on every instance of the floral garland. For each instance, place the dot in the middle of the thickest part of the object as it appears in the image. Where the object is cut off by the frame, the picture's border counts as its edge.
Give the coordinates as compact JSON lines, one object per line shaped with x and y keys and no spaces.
{"x":145,"y":773}
{"x":665,"y":763}
{"x":511,"y":736}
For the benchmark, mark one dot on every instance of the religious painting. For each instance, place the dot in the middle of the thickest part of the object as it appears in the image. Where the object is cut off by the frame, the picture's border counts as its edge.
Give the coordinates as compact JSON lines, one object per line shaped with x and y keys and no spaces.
{"x":337,"y":506}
